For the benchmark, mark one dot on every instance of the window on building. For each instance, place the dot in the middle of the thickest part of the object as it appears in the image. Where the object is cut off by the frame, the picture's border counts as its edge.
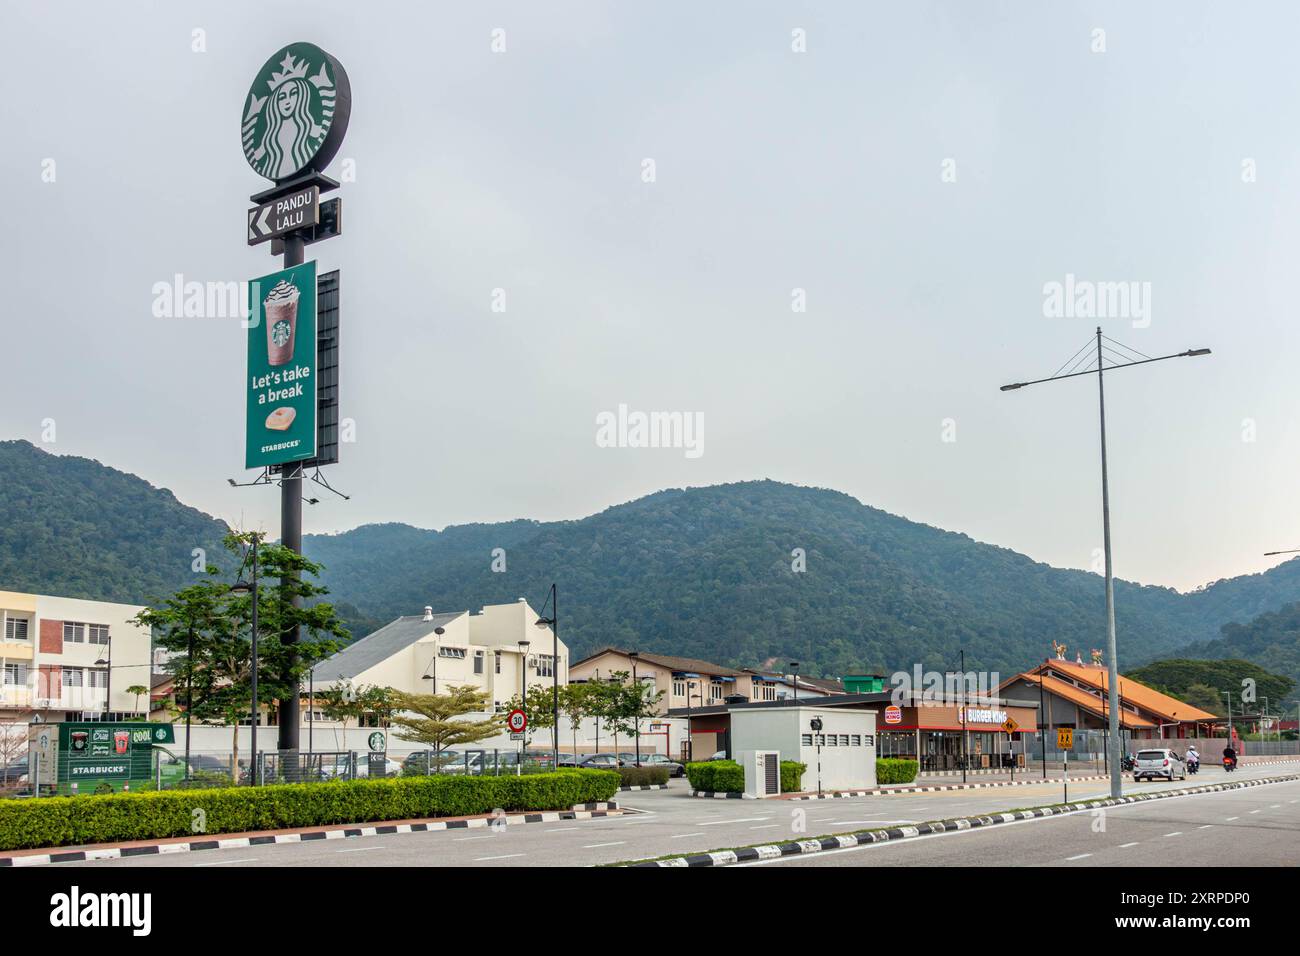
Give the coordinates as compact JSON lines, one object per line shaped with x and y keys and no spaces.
{"x":478,"y":662}
{"x":96,"y":677}
{"x":496,"y":661}
{"x":545,"y":665}
{"x":16,"y":629}
{"x":806,"y":740}
{"x":74,"y":677}
{"x":679,"y":688}
{"x":455,"y":653}
{"x":857,"y":740}
{"x":715,"y":690}
{"x":15,"y":674}
{"x":74,"y":633}
{"x":97,"y":634}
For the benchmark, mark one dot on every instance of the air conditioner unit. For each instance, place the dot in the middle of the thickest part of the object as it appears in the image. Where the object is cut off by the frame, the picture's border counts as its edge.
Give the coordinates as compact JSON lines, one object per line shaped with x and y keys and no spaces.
{"x":532,"y":661}
{"x":762,"y":772}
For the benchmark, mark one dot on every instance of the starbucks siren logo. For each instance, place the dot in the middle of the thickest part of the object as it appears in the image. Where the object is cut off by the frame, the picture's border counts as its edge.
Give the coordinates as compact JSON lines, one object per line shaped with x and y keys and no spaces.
{"x":296,"y":113}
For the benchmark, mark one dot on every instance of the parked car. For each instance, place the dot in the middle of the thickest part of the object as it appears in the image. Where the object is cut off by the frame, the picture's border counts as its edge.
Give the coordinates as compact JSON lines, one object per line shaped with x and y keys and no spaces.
{"x":597,"y":762}
{"x":1159,"y":763}
{"x":14,"y":772}
{"x":720,"y":755}
{"x":675,"y":769}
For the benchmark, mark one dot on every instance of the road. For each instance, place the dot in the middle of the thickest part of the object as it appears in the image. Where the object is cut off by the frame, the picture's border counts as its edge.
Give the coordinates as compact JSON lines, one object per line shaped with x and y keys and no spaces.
{"x":1258,"y":826}
{"x":666,"y":822}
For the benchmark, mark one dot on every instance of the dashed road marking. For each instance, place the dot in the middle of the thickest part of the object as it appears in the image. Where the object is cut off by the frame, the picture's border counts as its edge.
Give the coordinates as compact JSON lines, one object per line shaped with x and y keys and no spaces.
{"x":1081,"y":856}
{"x":593,"y":846}
{"x":504,"y":856}
{"x":1125,"y":846}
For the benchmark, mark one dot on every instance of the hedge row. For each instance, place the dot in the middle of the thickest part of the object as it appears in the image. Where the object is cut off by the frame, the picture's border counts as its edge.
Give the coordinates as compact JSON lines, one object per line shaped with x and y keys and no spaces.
{"x":895,"y":770}
{"x":718,"y":776}
{"x":63,"y":821}
{"x":792,"y":776}
{"x":643,"y":776}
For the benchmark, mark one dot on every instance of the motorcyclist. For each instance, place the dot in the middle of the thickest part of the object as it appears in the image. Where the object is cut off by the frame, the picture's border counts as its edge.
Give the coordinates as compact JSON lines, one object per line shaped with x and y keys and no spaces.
{"x":1193,"y":758}
{"x":1230,"y":755}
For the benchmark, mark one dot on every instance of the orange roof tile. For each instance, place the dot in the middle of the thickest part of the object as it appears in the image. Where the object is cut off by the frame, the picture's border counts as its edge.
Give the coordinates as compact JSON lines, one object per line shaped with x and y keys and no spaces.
{"x":1132,"y":692}
{"x":1087,"y":701}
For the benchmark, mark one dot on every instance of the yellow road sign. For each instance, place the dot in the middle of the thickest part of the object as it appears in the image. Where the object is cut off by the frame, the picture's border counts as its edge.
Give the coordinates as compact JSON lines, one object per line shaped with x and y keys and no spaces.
{"x":1065,"y":739}
{"x":1010,"y":725}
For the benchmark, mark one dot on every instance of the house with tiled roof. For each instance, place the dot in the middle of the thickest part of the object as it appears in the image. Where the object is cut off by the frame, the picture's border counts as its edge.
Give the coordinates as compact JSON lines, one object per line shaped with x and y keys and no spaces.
{"x":1076,"y":695}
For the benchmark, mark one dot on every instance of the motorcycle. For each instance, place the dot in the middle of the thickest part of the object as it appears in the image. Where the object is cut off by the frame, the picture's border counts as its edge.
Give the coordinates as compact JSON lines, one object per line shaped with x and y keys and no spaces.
{"x":1127,"y":762}
{"x":1229,"y":764}
{"x":1193,"y":765}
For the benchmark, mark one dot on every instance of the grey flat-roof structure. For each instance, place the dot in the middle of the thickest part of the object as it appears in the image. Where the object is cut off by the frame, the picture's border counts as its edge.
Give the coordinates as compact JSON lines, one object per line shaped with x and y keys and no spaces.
{"x":380,"y":645}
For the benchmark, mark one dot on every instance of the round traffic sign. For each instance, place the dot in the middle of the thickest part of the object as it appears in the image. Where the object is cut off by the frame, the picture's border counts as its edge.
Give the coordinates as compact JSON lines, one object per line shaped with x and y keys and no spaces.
{"x":517,"y":721}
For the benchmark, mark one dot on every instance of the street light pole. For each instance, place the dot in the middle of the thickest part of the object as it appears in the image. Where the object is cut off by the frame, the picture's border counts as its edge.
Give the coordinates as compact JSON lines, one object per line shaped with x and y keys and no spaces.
{"x":794,"y":668}
{"x":1124,"y":361}
{"x":251,"y":588}
{"x":553,"y":623}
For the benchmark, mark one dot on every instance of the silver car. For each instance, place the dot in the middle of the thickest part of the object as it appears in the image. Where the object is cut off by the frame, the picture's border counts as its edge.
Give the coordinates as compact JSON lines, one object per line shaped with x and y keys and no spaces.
{"x":1159,"y":763}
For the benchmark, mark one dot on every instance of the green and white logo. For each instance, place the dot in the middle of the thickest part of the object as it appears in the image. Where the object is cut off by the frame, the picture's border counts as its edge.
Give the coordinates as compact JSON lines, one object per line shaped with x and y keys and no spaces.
{"x":377,"y":742}
{"x":296,"y":112}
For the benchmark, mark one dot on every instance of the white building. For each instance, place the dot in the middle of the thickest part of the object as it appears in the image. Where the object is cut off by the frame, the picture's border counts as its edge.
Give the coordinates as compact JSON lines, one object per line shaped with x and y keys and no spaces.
{"x":70,"y":659}
{"x":495,"y":650}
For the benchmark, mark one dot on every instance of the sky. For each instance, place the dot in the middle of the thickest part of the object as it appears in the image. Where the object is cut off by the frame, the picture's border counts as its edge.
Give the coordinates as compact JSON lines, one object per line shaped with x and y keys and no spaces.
{"x":854,"y":220}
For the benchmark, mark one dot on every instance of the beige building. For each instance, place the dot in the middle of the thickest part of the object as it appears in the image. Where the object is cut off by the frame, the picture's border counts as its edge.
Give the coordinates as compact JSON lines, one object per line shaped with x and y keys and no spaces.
{"x":496,"y":650}
{"x":687,"y":682}
{"x":70,"y":659}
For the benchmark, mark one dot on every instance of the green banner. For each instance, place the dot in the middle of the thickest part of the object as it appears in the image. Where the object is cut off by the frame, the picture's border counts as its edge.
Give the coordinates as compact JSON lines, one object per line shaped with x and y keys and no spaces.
{"x":281,"y":382}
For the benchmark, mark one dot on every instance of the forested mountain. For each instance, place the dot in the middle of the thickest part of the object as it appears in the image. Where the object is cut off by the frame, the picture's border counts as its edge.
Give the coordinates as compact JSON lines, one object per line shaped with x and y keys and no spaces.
{"x":1203,"y":683}
{"x":703,"y":572}
{"x":1271,"y":640}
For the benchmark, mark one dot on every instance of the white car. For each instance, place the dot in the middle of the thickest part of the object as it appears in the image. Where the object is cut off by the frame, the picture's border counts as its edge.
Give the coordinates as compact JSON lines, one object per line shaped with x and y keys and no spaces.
{"x":1159,"y":763}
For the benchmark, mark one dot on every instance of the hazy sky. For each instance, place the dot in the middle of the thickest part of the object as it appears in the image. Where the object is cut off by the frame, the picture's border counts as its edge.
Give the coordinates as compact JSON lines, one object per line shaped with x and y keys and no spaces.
{"x":775,"y":170}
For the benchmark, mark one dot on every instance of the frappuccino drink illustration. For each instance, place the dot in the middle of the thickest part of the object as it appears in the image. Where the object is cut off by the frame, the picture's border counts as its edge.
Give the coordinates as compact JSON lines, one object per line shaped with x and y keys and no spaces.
{"x":281,"y":306}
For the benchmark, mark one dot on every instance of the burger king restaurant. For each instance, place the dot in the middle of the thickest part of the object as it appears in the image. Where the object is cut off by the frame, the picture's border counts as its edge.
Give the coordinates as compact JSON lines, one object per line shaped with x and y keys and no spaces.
{"x":931,"y":732}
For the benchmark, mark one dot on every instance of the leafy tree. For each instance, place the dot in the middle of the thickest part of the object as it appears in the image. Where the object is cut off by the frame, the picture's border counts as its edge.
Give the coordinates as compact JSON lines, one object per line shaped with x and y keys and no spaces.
{"x":208,"y":628}
{"x":436,"y":720}
{"x":138,"y":690}
{"x":539,"y":706}
{"x":575,"y":704}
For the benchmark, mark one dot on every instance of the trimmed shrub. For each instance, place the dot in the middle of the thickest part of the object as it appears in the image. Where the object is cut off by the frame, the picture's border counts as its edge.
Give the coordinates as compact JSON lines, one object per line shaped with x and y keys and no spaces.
{"x":717,"y":776}
{"x":63,"y":821}
{"x":643,"y":776}
{"x":894,"y":770}
{"x":792,"y":776}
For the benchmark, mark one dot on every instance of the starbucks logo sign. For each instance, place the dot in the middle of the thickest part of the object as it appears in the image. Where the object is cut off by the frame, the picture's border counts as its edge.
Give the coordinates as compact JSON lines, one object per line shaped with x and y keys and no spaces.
{"x":296,"y":112}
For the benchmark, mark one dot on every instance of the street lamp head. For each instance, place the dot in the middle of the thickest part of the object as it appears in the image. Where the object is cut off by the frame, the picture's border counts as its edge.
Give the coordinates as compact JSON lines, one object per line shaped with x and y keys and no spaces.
{"x":241,"y":587}
{"x":1013,"y":385}
{"x":1191,"y":352}
{"x":101,"y":662}
{"x":544,"y":622}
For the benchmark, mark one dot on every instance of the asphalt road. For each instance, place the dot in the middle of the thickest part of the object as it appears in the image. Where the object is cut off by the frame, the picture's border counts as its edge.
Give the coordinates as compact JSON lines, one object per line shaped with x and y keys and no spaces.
{"x":1258,"y":826}
{"x":668,"y":822}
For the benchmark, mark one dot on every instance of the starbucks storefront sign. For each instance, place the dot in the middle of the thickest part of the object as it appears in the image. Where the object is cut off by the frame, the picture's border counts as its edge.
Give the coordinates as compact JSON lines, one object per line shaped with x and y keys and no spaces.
{"x":296,"y":113}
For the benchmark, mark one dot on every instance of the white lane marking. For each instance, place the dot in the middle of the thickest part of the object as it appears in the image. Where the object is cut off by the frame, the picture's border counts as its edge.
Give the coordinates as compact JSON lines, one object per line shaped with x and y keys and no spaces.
{"x":678,"y":836}
{"x":465,"y":839}
{"x":1254,"y":811}
{"x":1276,"y":806}
{"x":359,"y":849}
{"x":561,"y":829}
{"x":1229,"y":819}
{"x":1125,"y":846}
{"x":1081,"y":856}
{"x":593,"y":846}
{"x":247,"y":859}
{"x":766,"y":826}
{"x":1175,"y":833}
{"x":505,"y":856}
{"x":716,"y":823}
{"x":1205,"y":826}
{"x":850,"y":823}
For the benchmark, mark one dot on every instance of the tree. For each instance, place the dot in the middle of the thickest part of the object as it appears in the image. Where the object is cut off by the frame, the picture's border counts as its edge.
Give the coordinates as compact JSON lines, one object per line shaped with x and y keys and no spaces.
{"x":538,"y":705}
{"x":208,"y":628}
{"x":435,"y":720}
{"x":138,"y":690}
{"x":621,"y":703}
{"x":575,"y":704}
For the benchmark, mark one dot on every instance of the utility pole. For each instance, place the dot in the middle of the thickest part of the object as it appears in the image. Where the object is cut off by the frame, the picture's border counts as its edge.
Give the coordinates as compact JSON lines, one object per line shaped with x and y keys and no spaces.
{"x":1118,"y":360}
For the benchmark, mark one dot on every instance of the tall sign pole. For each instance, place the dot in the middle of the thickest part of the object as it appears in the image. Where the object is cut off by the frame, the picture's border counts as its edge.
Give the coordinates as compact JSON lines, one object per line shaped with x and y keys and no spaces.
{"x":292,"y":124}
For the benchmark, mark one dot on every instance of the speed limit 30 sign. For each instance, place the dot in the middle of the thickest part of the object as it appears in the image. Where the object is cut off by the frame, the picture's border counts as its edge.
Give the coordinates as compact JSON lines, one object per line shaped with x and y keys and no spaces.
{"x":517,"y":721}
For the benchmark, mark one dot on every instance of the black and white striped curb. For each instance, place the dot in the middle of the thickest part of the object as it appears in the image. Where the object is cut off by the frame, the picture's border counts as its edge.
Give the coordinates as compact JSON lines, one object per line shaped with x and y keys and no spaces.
{"x":582,"y":811}
{"x":893,"y":834}
{"x":720,"y":795}
{"x":645,"y":786}
{"x":841,"y":794}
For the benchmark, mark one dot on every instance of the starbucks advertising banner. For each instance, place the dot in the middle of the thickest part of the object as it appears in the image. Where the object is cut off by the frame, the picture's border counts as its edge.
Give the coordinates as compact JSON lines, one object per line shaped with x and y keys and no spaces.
{"x":281,"y":382}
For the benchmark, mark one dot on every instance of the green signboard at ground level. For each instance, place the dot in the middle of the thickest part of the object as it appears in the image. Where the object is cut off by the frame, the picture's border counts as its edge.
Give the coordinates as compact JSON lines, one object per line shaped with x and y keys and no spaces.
{"x":281,"y":382}
{"x":86,"y":754}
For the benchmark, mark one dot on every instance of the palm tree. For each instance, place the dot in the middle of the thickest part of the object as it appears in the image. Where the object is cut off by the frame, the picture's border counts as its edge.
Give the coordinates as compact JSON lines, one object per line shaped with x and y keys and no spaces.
{"x":138,"y":690}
